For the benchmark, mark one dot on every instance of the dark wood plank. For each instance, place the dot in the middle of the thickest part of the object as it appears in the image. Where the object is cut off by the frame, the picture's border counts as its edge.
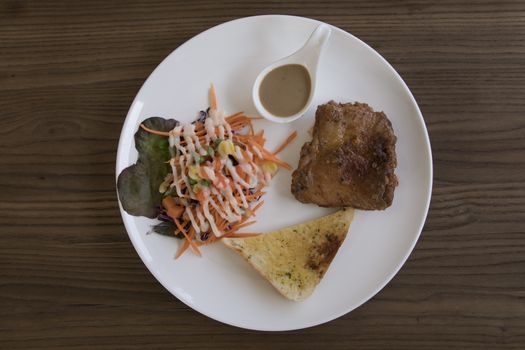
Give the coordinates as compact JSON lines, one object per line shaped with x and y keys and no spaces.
{"x":69,"y":276}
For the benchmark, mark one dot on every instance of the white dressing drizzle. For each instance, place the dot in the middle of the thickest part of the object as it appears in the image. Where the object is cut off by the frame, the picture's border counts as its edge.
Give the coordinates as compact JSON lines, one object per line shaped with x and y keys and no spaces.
{"x":241,"y":194}
{"x":211,"y":220}
{"x":203,"y":224}
{"x":175,"y":182}
{"x":192,"y":220}
{"x":235,"y":176}
{"x":185,"y":143}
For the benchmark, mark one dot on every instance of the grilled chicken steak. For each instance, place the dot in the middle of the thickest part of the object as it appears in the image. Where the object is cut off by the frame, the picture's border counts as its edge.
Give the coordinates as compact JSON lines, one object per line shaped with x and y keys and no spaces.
{"x":350,"y":161}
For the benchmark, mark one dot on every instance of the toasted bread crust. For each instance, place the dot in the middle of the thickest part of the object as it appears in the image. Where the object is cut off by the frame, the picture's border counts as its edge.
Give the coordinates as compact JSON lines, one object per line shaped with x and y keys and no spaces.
{"x":295,"y":259}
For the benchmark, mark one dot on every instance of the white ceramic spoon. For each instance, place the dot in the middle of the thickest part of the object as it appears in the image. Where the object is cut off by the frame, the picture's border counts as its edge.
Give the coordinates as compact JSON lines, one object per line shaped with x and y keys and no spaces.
{"x":307,"y":56}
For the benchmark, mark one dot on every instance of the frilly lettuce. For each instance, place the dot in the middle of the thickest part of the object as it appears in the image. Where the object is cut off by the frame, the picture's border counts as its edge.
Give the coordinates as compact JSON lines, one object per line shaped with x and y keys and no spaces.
{"x":138,"y":184}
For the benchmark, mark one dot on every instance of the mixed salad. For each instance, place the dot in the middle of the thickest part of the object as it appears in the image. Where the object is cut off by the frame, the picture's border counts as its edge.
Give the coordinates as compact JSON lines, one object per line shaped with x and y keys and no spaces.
{"x":202,"y":180}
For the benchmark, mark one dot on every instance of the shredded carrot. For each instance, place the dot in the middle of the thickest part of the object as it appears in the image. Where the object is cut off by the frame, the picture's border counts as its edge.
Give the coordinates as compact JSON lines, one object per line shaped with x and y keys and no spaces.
{"x":286,"y":142}
{"x":231,"y":117}
{"x":251,"y":212}
{"x":156,"y":132}
{"x":256,"y":194}
{"x":211,"y":239}
{"x":238,"y":226}
{"x":173,"y":210}
{"x":182,"y":248}
{"x":258,"y":206}
{"x":200,"y":196}
{"x":242,"y":235}
{"x":213,"y":98}
{"x":203,"y":174}
{"x":271,"y":157}
{"x":193,"y":246}
{"x":175,"y":160}
{"x":240,"y":171}
{"x":217,"y":164}
{"x":199,"y":127}
{"x":244,"y":154}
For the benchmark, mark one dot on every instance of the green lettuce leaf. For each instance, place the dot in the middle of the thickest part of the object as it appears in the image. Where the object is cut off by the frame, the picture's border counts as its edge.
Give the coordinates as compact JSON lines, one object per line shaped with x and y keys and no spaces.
{"x":166,"y":229}
{"x":138,"y":184}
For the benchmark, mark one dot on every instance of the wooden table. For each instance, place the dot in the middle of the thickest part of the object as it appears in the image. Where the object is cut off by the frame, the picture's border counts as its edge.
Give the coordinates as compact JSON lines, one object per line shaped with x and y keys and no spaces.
{"x":69,"y":277}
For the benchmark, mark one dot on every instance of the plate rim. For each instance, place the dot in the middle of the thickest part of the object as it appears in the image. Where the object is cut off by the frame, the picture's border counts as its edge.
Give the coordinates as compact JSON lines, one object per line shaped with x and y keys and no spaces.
{"x":120,"y":150}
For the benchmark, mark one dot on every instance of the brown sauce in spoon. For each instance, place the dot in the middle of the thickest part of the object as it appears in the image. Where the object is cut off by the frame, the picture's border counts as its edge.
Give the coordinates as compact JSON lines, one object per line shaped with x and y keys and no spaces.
{"x":285,"y":90}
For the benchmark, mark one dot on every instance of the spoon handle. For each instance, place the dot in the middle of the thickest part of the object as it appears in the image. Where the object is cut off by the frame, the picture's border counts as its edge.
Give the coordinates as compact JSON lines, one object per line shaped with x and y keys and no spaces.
{"x":317,"y":39}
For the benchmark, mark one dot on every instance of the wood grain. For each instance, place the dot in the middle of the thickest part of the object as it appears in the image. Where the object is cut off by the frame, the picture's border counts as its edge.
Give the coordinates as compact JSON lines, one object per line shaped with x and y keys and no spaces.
{"x":69,"y":277}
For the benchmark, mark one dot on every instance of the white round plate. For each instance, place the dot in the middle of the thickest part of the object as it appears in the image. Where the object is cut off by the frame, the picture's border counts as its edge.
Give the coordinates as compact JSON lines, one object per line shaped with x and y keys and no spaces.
{"x":220,"y":284}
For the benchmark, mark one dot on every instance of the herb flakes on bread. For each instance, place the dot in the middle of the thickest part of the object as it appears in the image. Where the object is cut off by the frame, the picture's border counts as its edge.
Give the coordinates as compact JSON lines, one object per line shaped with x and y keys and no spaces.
{"x":295,"y":259}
